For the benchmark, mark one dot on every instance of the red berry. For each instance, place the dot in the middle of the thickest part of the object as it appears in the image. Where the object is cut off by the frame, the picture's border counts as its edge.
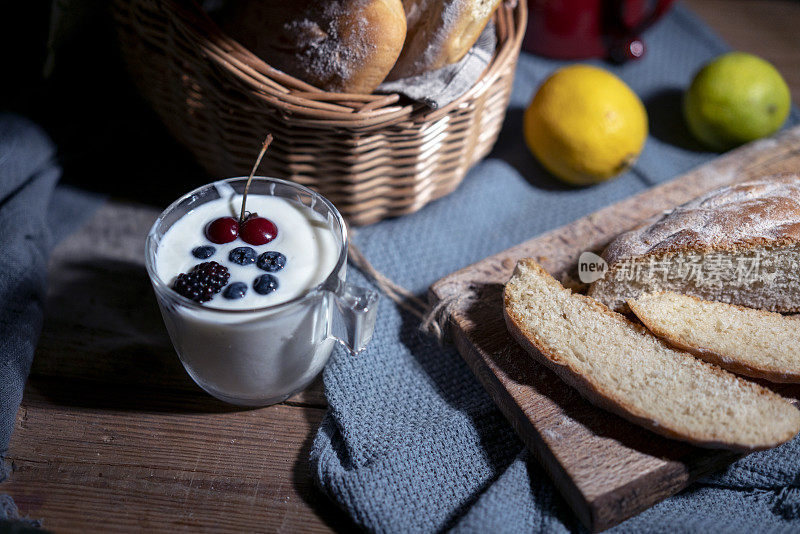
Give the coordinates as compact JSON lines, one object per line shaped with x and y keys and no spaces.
{"x":222,"y":230}
{"x":258,"y":231}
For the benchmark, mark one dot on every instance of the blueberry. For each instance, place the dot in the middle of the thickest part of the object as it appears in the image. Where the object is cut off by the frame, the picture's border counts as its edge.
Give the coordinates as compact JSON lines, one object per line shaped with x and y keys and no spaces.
{"x":265,"y":284}
{"x":202,"y":253}
{"x":234,"y":291}
{"x":271,"y":261}
{"x":242,"y":255}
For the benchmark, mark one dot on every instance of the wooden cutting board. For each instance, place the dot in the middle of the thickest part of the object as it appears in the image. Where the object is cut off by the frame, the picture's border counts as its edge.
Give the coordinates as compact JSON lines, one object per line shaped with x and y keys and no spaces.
{"x":606,"y":468}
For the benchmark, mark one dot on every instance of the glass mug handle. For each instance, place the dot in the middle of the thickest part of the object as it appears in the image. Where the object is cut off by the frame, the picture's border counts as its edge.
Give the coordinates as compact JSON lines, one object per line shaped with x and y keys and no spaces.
{"x":354,"y":312}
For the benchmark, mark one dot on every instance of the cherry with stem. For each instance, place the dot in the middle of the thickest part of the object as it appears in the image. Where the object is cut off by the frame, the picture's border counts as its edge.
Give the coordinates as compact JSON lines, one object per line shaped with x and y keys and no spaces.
{"x":256,"y":230}
{"x":251,"y":228}
{"x":264,"y":146}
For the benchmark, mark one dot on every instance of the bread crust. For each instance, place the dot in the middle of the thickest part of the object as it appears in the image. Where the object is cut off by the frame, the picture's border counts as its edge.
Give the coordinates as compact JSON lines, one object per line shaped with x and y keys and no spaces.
{"x":440,"y":32}
{"x":763,"y":212}
{"x":346,"y":46}
{"x":728,"y":363}
{"x":736,"y":219}
{"x":595,"y":394}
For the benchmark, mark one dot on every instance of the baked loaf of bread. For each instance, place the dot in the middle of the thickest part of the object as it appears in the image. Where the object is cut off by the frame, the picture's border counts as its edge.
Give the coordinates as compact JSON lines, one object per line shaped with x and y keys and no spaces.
{"x":440,"y":32}
{"x":346,"y":46}
{"x":621,"y":367}
{"x":743,"y":340}
{"x":739,"y":244}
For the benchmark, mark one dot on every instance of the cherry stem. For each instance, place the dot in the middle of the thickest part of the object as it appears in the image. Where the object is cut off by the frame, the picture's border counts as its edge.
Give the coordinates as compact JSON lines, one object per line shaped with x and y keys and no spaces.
{"x":264,"y":147}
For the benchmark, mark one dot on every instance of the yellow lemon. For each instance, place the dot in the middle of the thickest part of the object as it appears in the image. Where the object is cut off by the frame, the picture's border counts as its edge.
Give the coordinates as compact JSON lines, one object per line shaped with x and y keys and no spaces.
{"x":585,"y":125}
{"x":734,"y":99}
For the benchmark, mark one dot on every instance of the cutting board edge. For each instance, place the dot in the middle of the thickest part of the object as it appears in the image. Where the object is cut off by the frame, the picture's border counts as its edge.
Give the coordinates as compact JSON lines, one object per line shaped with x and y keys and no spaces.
{"x":625,"y":500}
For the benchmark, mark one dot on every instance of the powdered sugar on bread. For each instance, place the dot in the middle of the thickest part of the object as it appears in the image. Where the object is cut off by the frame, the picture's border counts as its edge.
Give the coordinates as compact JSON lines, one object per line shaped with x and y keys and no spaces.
{"x":337,"y":45}
{"x":440,"y":32}
{"x":759,"y":211}
{"x":752,"y":226}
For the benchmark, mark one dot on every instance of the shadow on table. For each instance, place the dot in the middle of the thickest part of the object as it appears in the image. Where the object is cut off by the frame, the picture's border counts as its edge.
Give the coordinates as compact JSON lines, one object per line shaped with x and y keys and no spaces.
{"x":104,"y":347}
{"x":512,"y":149}
{"x":666,"y":122}
{"x":104,"y":344}
{"x":327,"y":510}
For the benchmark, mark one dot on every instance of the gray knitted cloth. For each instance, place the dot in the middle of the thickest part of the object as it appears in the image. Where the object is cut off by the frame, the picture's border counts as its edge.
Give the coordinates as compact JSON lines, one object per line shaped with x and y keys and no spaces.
{"x":412,"y":443}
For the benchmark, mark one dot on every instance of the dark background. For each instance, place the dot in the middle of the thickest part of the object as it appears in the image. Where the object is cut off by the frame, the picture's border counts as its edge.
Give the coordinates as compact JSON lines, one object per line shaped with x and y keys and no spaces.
{"x":108,"y":139}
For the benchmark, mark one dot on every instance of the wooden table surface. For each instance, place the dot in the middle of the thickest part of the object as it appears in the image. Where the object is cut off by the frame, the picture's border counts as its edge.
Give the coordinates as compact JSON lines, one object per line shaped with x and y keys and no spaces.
{"x":112,"y":434}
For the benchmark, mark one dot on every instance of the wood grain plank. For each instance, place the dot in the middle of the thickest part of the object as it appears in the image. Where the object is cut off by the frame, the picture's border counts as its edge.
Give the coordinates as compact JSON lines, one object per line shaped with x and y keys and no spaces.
{"x":606,"y":468}
{"x":127,"y":459}
{"x":113,"y":432}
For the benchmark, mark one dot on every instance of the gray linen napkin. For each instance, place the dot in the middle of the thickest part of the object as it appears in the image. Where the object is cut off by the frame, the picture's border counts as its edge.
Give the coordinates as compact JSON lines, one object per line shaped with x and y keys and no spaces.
{"x":27,"y":177}
{"x":440,"y":87}
{"x":32,"y":216}
{"x":28,"y":174}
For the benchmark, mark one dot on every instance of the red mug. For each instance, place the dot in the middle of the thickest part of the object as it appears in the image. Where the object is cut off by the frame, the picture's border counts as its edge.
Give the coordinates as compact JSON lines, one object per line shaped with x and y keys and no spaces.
{"x":579,"y":29}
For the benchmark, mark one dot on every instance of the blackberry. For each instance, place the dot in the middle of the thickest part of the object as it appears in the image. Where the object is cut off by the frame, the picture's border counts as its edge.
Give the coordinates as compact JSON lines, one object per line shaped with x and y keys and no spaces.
{"x":265,"y":284}
{"x":271,"y":261}
{"x":234,"y":291}
{"x":204,"y":252}
{"x":242,"y":256}
{"x":203,"y":282}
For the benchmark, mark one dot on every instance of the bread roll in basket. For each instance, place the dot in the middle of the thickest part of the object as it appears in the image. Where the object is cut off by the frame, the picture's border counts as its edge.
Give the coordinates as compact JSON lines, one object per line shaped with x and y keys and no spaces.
{"x":373,"y":155}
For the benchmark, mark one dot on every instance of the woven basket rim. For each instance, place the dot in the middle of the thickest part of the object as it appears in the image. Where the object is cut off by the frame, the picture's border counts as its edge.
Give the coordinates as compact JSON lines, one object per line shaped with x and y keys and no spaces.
{"x":324,"y":107}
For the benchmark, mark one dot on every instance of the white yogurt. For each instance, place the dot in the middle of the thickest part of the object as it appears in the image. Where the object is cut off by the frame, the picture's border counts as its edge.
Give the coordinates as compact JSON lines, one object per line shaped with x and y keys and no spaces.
{"x":232,"y":348}
{"x":303,"y":237}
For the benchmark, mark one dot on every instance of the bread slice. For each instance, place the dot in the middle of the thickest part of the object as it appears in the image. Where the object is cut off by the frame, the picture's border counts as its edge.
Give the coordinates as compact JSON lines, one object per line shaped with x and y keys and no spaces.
{"x":743,"y":340}
{"x":738,"y":244}
{"x":621,"y":367}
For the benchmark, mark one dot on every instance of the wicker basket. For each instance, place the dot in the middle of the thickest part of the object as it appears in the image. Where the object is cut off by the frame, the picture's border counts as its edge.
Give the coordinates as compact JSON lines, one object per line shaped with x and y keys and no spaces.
{"x":374,"y":156}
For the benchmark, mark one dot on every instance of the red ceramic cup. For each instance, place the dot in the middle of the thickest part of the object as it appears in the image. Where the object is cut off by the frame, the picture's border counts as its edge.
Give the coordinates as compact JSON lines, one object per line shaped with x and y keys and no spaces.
{"x":579,"y":29}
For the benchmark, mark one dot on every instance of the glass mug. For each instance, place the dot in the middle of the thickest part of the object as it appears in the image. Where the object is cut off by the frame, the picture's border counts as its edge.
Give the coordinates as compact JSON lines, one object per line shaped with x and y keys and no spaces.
{"x":257,"y":357}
